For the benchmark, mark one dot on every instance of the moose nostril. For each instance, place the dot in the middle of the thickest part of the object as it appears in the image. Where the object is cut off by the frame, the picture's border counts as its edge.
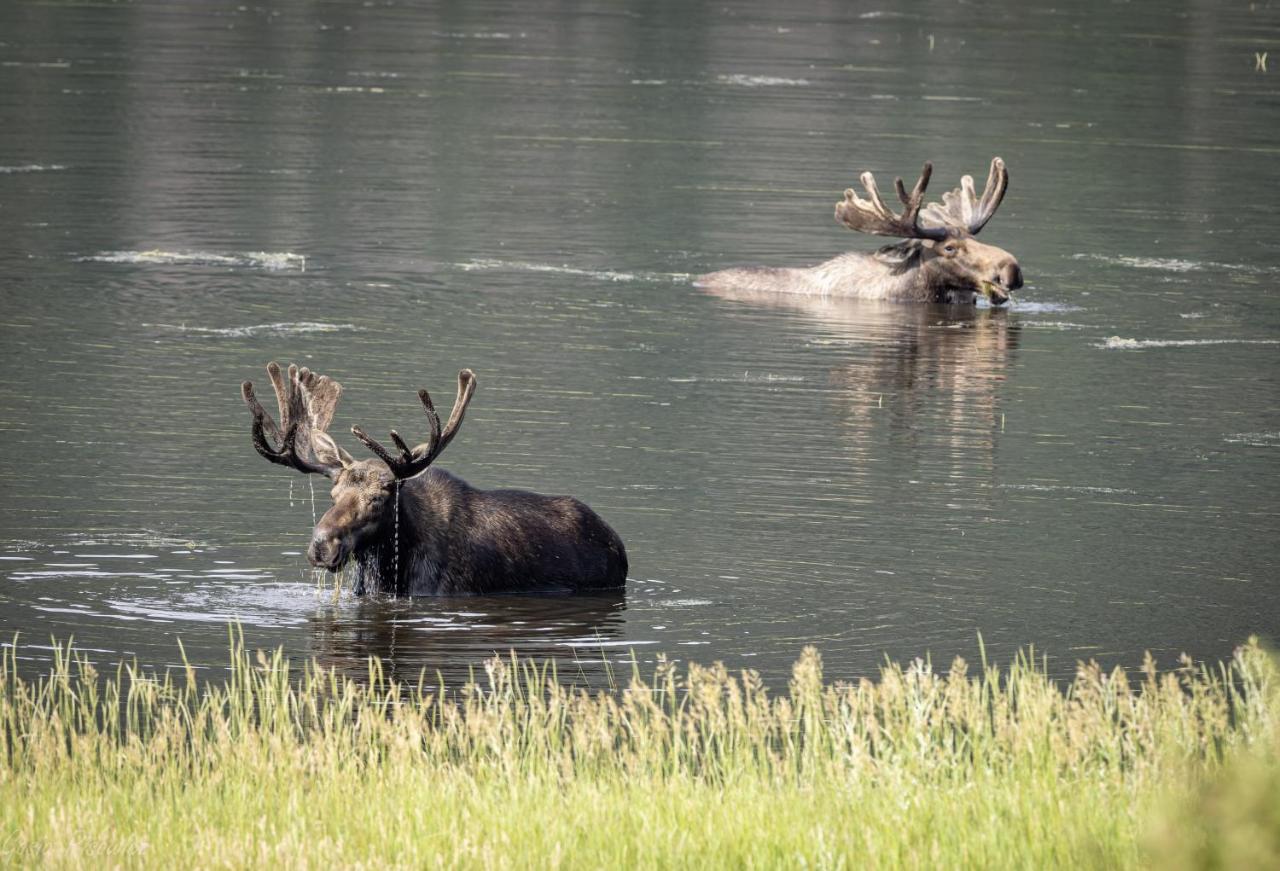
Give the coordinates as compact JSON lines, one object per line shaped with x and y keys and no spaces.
{"x":321,"y":546}
{"x":1012,"y":276}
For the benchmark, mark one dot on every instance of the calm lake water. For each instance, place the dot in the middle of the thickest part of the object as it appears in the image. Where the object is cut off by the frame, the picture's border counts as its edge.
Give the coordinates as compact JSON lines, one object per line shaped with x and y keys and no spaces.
{"x":388,"y":195}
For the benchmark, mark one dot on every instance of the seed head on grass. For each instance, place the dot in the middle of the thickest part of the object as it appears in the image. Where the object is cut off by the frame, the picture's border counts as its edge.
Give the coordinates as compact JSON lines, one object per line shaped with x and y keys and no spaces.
{"x":994,"y":767}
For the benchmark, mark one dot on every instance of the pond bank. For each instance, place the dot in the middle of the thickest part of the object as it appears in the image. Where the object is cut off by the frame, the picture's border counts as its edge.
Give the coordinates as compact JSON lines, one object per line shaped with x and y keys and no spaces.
{"x":967,"y":767}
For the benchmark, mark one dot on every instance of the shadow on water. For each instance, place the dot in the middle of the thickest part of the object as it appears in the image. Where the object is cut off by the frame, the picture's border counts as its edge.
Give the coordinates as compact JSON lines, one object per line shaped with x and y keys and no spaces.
{"x":449,"y":637}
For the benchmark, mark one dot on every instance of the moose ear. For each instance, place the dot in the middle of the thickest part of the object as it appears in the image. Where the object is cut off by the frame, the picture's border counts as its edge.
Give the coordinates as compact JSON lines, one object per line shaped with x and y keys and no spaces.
{"x":327,"y":451}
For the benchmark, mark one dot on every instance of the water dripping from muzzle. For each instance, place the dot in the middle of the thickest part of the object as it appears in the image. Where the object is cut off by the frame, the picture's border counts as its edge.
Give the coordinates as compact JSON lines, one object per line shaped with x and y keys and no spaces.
{"x":395,"y":547}
{"x":317,"y":573}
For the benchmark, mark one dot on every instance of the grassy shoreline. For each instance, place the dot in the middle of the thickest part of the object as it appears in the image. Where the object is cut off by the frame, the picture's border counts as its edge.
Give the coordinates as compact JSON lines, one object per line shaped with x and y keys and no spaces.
{"x":288,"y":767}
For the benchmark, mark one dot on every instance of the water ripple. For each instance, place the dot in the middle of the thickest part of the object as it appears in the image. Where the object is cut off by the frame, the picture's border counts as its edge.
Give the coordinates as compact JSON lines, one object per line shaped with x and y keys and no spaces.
{"x":281,"y":329}
{"x":1119,"y":343}
{"x":269,"y":260}
{"x":31,"y":167}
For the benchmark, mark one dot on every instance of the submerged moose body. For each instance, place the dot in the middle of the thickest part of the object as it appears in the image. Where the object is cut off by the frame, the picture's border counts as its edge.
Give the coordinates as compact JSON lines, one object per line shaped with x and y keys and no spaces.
{"x":414,"y":530}
{"x":938,"y":261}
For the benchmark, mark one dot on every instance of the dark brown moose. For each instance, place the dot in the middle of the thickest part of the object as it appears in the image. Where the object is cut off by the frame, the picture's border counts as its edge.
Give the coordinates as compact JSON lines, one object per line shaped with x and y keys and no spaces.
{"x":938,"y":261}
{"x":412,"y":529}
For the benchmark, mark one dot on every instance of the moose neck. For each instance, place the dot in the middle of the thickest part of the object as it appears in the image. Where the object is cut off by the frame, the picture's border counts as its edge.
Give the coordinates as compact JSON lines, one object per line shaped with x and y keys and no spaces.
{"x":381,"y":565}
{"x":937,"y":286}
{"x":408,"y":550}
{"x":904,"y":271}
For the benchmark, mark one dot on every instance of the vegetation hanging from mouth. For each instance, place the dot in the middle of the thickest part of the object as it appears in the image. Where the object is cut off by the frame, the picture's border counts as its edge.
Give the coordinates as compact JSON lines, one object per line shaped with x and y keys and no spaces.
{"x":999,"y":768}
{"x":994,"y":294}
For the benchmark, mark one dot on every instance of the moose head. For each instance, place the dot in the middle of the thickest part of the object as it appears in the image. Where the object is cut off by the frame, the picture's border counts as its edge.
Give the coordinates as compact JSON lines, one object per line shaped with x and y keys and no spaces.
{"x":364,"y":491}
{"x":940,"y":236}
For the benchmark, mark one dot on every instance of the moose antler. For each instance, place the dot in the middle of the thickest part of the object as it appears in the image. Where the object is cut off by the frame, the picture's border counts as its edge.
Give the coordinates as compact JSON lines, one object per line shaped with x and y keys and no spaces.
{"x":874,"y":216}
{"x":412,"y":461}
{"x":963,"y":209}
{"x":307,"y":402}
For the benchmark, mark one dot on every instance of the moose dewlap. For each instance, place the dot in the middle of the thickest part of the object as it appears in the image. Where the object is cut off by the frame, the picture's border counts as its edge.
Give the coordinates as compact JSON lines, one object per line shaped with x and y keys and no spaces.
{"x":412,"y":529}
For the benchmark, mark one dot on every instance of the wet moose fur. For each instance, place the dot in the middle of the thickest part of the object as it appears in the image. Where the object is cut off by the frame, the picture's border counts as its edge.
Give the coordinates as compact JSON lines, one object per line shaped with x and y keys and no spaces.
{"x":413,"y":530}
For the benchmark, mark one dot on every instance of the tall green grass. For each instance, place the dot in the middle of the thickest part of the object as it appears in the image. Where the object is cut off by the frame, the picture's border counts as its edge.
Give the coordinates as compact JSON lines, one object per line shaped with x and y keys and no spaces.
{"x":998,"y":768}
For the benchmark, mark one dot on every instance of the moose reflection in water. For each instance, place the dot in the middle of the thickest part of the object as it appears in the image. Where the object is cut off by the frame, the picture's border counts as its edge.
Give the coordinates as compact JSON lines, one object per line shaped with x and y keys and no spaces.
{"x":452,"y":635}
{"x":415,"y":530}
{"x":922,"y":373}
{"x":939,"y":261}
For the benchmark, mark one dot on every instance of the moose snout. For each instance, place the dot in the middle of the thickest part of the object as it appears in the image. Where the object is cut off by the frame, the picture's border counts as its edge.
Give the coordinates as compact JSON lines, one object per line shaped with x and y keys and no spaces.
{"x":1009,"y":276}
{"x":326,"y":551}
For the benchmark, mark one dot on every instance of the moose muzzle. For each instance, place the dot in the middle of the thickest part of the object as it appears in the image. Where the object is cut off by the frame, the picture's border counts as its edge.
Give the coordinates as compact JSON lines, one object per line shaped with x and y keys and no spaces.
{"x":327,"y":551}
{"x":1007,"y":279}
{"x":1011,"y":276}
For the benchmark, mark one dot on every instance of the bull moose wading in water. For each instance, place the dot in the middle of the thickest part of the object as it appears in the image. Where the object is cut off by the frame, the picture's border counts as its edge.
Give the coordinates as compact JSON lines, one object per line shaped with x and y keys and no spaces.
{"x":939,"y":261}
{"x":414,"y":530}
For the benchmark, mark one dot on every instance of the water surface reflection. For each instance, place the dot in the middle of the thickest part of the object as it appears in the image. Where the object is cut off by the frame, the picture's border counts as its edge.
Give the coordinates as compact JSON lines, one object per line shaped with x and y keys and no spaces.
{"x":388,"y":193}
{"x":450,"y":636}
{"x":915,"y":379}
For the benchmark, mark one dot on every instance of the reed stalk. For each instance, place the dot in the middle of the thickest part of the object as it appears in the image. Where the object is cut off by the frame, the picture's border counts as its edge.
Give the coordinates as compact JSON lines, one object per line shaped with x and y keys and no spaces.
{"x":297,"y":765}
